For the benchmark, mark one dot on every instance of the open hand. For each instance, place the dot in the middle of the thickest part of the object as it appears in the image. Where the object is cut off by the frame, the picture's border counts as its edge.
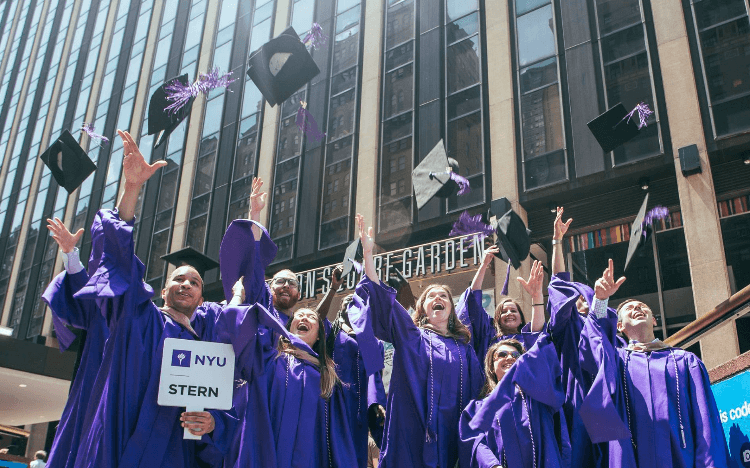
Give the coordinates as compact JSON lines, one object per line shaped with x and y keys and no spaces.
{"x":135,"y":169}
{"x":365,"y":236}
{"x":257,"y":198}
{"x":62,"y":236}
{"x":606,"y":286}
{"x":533,"y":285}
{"x":198,"y":422}
{"x":238,"y":290}
{"x":489,"y":255}
{"x":561,"y":227}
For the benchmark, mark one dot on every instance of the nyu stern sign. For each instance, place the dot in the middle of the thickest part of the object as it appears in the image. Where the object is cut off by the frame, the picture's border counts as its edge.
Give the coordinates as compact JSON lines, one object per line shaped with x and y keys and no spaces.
{"x":196,"y":374}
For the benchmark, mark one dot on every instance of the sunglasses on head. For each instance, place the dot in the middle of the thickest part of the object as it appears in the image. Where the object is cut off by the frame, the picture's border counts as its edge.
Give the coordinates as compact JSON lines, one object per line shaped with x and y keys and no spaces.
{"x":282,"y":281}
{"x":505,"y":354}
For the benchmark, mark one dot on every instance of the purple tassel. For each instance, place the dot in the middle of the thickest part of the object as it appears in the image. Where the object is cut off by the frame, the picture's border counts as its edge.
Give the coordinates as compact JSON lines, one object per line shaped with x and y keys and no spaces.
{"x":657,"y":212}
{"x":504,"y":291}
{"x":357,"y":266}
{"x":315,"y":37}
{"x":468,"y":224}
{"x":307,"y":123}
{"x":463,"y":183}
{"x":89,"y":129}
{"x":181,"y":94}
{"x":643,"y":114}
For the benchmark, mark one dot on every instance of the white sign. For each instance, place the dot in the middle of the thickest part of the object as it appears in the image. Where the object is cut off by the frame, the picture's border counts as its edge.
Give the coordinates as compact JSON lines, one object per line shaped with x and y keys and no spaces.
{"x":196,"y":375}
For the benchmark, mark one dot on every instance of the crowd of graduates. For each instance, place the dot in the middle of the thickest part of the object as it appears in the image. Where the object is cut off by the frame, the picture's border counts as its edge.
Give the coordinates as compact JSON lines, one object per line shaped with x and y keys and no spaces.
{"x":590,"y":387}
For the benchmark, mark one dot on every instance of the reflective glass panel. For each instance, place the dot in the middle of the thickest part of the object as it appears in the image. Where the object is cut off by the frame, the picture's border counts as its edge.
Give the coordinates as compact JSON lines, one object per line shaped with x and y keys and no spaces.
{"x":536,"y":36}
{"x":463,"y":62}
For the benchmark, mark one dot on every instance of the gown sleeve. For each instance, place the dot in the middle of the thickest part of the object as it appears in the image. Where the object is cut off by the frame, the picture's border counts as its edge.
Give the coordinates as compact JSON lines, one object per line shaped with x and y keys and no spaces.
{"x":376,"y":396}
{"x":376,"y":311}
{"x":708,"y":434}
{"x":242,"y":255}
{"x":470,"y":311}
{"x":473,"y":451}
{"x":117,"y":283}
{"x":66,"y":309}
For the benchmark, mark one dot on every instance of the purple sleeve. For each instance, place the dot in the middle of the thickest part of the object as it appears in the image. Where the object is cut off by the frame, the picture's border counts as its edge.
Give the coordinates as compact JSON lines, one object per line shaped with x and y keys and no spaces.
{"x":473,"y":451}
{"x":598,"y":357}
{"x":66,"y":309}
{"x":379,"y":313}
{"x":538,"y":373}
{"x":117,"y":284}
{"x":240,"y":255}
{"x":470,"y":311}
{"x":562,"y":306}
{"x":225,"y":425}
{"x":375,"y":388}
{"x":708,"y":434}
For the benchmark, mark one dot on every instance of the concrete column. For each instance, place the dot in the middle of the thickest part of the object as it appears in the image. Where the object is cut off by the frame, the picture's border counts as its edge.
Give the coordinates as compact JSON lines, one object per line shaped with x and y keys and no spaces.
{"x":504,"y":164}
{"x":267,"y":153}
{"x":185,"y":194}
{"x":708,"y":267}
{"x":369,"y":128}
{"x":37,"y":438}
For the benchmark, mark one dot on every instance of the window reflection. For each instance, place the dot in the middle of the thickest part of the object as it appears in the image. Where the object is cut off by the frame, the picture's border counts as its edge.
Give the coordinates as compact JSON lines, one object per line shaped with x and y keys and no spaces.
{"x":458,"y":8}
{"x":462,"y":28}
{"x":398,"y":92}
{"x":463,"y":61}
{"x":400,"y":25}
{"x":541,"y":119}
{"x":536,"y":36}
{"x":465,"y":144}
{"x":617,"y":14}
{"x":346,"y":49}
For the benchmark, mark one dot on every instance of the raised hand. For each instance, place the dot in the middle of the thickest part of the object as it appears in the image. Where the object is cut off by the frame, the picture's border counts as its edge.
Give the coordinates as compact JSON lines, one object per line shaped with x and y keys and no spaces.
{"x":606,"y":286}
{"x":533,"y":285}
{"x":135,"y":169}
{"x":337,"y":278}
{"x":561,"y":227}
{"x":62,"y":236}
{"x":489,"y":255}
{"x":365,"y":236}
{"x":238,"y":291}
{"x":257,"y":198}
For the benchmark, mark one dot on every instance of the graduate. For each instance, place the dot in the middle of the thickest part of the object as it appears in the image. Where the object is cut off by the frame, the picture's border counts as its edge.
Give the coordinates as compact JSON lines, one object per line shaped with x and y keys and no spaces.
{"x":81,"y":314}
{"x":124,"y":426}
{"x":517,"y":422}
{"x":509,"y":322}
{"x":652,"y":404}
{"x":435,"y":370}
{"x":359,"y":363}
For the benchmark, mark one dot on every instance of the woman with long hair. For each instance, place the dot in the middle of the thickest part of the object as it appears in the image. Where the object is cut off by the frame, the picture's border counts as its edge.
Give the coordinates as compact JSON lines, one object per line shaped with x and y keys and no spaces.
{"x":435,"y":370}
{"x":289,"y":385}
{"x":517,"y":422}
{"x":509,"y":322}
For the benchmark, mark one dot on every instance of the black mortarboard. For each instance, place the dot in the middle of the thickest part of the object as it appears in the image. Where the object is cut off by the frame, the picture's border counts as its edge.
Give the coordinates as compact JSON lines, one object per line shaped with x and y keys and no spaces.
{"x":637,"y":237}
{"x":160,"y":121}
{"x":612,"y":128}
{"x":68,"y":162}
{"x":431,"y":177}
{"x":190,"y":256}
{"x":404,"y":294}
{"x":281,"y":66}
{"x":512,"y":238}
{"x":353,"y":254}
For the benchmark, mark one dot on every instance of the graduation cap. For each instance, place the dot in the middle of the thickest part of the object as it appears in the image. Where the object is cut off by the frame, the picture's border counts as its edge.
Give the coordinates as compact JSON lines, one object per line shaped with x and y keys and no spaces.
{"x":432,"y":177}
{"x":512,"y":238}
{"x":353,"y":254}
{"x":191,"y":257}
{"x":404,"y":294}
{"x":281,"y":66}
{"x":162,"y":122}
{"x":68,"y":162}
{"x":613,"y":128}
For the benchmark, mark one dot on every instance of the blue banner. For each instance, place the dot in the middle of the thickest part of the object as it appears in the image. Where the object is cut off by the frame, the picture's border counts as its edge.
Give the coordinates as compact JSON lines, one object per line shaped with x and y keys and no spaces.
{"x":733,"y":399}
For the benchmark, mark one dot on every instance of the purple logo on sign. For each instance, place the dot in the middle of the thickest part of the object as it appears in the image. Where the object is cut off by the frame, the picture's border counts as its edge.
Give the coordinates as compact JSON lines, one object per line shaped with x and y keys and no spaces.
{"x":181,"y":358}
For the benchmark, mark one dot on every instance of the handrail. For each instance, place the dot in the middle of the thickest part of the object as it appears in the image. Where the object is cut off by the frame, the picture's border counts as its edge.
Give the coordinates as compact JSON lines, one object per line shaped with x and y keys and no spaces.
{"x":735,"y":307}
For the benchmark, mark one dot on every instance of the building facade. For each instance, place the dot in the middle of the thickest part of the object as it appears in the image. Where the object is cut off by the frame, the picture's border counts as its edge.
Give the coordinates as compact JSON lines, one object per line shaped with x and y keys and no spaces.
{"x":507,"y":85}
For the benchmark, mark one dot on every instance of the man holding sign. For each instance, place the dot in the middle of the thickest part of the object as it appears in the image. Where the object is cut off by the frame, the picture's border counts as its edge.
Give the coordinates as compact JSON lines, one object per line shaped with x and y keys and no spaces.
{"x":124,"y":426}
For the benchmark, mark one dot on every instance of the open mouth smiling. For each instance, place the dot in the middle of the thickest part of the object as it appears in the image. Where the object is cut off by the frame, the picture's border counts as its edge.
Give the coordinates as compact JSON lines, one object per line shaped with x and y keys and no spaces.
{"x":438,"y":306}
{"x":302,"y":327}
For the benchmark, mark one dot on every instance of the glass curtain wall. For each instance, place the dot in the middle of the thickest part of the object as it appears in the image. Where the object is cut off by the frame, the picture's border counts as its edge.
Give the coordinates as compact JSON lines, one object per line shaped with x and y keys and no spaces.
{"x":723,"y":29}
{"x":9,"y":10}
{"x":626,"y":68}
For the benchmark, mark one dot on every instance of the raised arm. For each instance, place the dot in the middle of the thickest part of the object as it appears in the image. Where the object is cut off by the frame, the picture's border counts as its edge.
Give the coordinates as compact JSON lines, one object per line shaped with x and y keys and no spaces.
{"x":257,"y":203}
{"x":367,"y":245}
{"x":336,"y":280}
{"x":136,"y":171}
{"x":533,"y":286}
{"x":489,"y":255}
{"x":470,"y":311}
{"x":558,"y":256}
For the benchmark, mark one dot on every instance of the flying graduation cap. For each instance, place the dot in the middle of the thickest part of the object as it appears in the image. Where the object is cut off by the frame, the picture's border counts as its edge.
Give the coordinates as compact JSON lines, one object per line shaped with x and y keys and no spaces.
{"x":617,"y":126}
{"x":68,"y":162}
{"x":353,"y":258}
{"x":281,"y":66}
{"x":642,"y":228}
{"x":191,"y":257}
{"x":404,"y":293}
{"x":437,"y":175}
{"x":162,"y":121}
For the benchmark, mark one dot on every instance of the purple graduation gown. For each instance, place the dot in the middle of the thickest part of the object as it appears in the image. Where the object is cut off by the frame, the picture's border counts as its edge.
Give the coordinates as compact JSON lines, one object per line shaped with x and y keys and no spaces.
{"x":663,"y":398}
{"x":287,"y":424}
{"x":433,"y":378}
{"x":483,"y":333}
{"x":124,"y":427}
{"x":519,"y":422}
{"x":363,"y":386}
{"x":85,"y":316}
